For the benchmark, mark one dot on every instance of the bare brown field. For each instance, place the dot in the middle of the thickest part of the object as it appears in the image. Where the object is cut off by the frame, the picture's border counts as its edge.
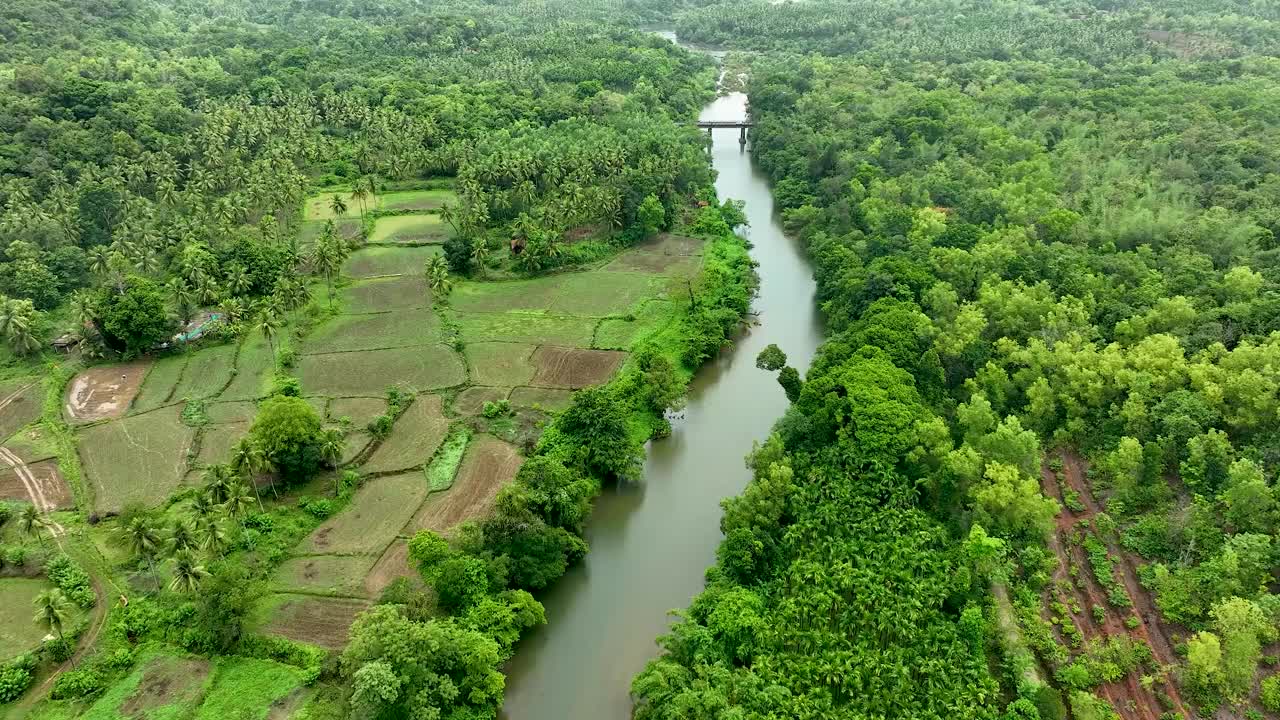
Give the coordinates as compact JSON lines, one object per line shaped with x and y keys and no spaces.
{"x":321,"y":621}
{"x":574,"y":368}
{"x":393,"y":564}
{"x":20,"y":404}
{"x":414,"y":438}
{"x":105,"y":391}
{"x":488,"y":465}
{"x":552,"y":399}
{"x":39,"y":483}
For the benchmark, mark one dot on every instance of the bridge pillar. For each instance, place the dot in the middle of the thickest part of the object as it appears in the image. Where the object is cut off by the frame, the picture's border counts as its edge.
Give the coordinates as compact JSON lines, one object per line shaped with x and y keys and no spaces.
{"x":742,"y":135}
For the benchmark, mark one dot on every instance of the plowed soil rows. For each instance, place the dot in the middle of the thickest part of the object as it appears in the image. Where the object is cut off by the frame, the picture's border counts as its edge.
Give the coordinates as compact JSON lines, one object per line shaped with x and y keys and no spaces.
{"x":319,"y":621}
{"x":574,"y":368}
{"x":489,"y":465}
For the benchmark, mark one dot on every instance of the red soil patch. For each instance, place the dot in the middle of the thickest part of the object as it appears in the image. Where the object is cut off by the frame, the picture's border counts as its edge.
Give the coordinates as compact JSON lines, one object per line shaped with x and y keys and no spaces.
{"x":39,"y":483}
{"x":488,"y":465}
{"x":105,"y":392}
{"x":319,"y":621}
{"x":574,"y":367}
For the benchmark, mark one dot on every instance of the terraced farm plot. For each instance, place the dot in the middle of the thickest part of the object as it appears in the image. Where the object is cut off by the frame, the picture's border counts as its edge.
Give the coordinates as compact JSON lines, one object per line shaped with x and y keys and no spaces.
{"x":369,"y":373}
{"x":379,"y":261}
{"x":528,"y":327}
{"x":620,"y":333}
{"x":161,"y":379}
{"x":346,"y":333}
{"x":404,"y":292}
{"x":21,"y":402}
{"x":105,"y":391}
{"x":507,"y":296}
{"x":410,"y":230}
{"x":598,"y":294}
{"x":17,"y":633}
{"x":318,"y":207}
{"x":207,"y":372}
{"x":655,"y":263}
{"x":359,"y":410}
{"x":500,"y":364}
{"x":216,"y":442}
{"x":141,"y":458}
{"x":18,"y":482}
{"x":574,"y":368}
{"x":311,"y":230}
{"x":321,"y":621}
{"x":231,"y":412}
{"x":324,"y":574}
{"x":393,"y":564}
{"x":471,"y":401}
{"x":377,"y":512}
{"x":552,"y":399}
{"x":416,"y":199}
{"x":355,"y":444}
{"x":488,"y":465}
{"x":415,"y":437}
{"x":34,"y":443}
{"x":254,"y":366}
{"x":250,"y":688}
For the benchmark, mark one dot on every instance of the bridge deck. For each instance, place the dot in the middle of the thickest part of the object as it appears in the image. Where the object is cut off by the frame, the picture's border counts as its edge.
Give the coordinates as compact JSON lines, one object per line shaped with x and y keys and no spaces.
{"x":724,"y":123}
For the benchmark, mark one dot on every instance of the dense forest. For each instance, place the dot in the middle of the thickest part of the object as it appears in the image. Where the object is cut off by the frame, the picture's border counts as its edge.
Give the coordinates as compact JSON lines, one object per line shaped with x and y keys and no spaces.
{"x":1042,"y":429}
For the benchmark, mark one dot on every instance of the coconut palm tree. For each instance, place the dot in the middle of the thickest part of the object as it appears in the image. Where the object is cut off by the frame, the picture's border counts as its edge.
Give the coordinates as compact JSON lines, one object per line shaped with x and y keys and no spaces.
{"x":268,"y":323}
{"x":332,"y":445}
{"x":99,"y":260}
{"x":338,"y":205}
{"x":143,"y":540}
{"x":217,"y":481}
{"x":181,"y":536}
{"x":239,"y":281}
{"x":247,"y":461}
{"x":359,"y":194}
{"x":32,"y":522}
{"x":480,"y":254}
{"x":213,"y":536}
{"x":188,"y":573}
{"x":52,"y":610}
{"x":238,"y":500}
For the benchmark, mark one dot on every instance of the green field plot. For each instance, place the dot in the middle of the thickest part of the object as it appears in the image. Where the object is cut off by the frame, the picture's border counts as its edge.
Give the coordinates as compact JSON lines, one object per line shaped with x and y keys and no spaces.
{"x":411,"y":230}
{"x":370,"y":372}
{"x":416,"y":199}
{"x":368,"y":332}
{"x":447,"y":459}
{"x":325,"y":574}
{"x":605,"y":293}
{"x":415,"y":437}
{"x":17,"y":633}
{"x":347,"y":227}
{"x":375,"y":515}
{"x":621,"y":333}
{"x":500,"y":364}
{"x":141,"y":458}
{"x":318,"y":207}
{"x":207,"y":373}
{"x":379,"y":261}
{"x":552,"y":399}
{"x":157,"y":387}
{"x":526,"y":327}
{"x":496,"y":297}
{"x":404,"y":292}
{"x":23,"y":401}
{"x":216,"y":442}
{"x":358,"y":410}
{"x":249,"y":688}
{"x":253,"y":370}
{"x":231,"y":412}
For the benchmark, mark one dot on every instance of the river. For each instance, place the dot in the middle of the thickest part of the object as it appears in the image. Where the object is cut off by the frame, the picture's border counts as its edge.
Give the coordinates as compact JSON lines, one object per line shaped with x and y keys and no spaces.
{"x":651,"y":542}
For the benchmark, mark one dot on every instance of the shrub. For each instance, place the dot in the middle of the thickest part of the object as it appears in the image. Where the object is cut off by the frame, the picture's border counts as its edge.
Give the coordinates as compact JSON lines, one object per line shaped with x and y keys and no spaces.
{"x":15,"y":556}
{"x":14,"y":680}
{"x":1270,"y":696}
{"x":497,"y":409}
{"x":319,"y":508}
{"x":6,"y":512}
{"x":380,"y":427}
{"x":71,"y":579}
{"x":76,"y":684}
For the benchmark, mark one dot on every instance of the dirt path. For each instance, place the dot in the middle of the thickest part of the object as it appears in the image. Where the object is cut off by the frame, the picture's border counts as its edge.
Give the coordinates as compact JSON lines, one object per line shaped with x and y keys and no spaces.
{"x":1149,"y":629}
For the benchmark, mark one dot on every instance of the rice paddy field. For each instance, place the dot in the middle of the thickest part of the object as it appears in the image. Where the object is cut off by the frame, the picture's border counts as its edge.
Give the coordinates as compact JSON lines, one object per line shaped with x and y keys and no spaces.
{"x":410,"y":230}
{"x":18,"y":633}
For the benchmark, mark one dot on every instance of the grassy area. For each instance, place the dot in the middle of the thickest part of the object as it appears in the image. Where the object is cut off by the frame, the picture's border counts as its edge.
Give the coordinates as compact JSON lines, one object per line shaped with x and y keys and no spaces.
{"x":416,"y":199}
{"x":247,"y":688}
{"x":445,"y":464}
{"x":500,"y":364}
{"x":141,"y":458}
{"x":410,"y":230}
{"x":18,"y":633}
{"x":254,"y":366}
{"x":597,"y":294}
{"x":621,"y":333}
{"x":525,"y":327}
{"x":369,"y":332}
{"x":415,"y":437}
{"x":318,"y":207}
{"x":216,"y":442}
{"x":375,"y":515}
{"x":370,"y":372}
{"x":339,"y":575}
{"x":551,"y":399}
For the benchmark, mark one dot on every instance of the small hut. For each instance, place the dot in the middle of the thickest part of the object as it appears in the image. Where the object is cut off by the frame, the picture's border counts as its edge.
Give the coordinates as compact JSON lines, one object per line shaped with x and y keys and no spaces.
{"x":66,"y":343}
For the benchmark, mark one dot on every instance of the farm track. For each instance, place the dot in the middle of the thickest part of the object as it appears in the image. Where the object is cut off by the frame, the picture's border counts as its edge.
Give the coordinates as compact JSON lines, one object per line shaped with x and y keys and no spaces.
{"x":1149,"y":628}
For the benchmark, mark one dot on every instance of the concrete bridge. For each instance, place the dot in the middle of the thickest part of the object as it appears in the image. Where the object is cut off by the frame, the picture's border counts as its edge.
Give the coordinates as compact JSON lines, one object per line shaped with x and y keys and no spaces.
{"x":742,"y":126}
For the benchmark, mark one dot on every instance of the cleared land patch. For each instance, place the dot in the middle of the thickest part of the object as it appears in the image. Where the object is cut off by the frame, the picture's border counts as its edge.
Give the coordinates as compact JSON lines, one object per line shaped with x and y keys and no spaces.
{"x":393,"y":564}
{"x":321,"y":621}
{"x":404,"y":292}
{"x":379,"y":261}
{"x":415,"y":437}
{"x":141,"y":458}
{"x":416,"y":199}
{"x":574,"y":368}
{"x":20,"y":404}
{"x":471,"y":401}
{"x":489,"y":464}
{"x":375,"y":516}
{"x":500,"y":364}
{"x":346,"y":333}
{"x":164,"y":686}
{"x":621,"y":333}
{"x":105,"y":391}
{"x":312,"y":229}
{"x":231,"y":412}
{"x":656,"y":263}
{"x":360,"y":411}
{"x":528,"y":327}
{"x":552,"y":399}
{"x":17,"y":633}
{"x":410,"y":230}
{"x":325,"y":574}
{"x":368,"y":373}
{"x":356,"y":442}
{"x":18,"y":482}
{"x":318,"y":207}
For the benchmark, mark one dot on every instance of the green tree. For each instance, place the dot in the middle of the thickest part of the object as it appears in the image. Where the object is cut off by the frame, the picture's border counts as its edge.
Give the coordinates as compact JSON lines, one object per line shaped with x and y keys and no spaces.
{"x":52,"y":611}
{"x":134,"y":319}
{"x":771,"y":358}
{"x":142,"y":538}
{"x":650,"y":215}
{"x":188,"y":572}
{"x":287,"y":432}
